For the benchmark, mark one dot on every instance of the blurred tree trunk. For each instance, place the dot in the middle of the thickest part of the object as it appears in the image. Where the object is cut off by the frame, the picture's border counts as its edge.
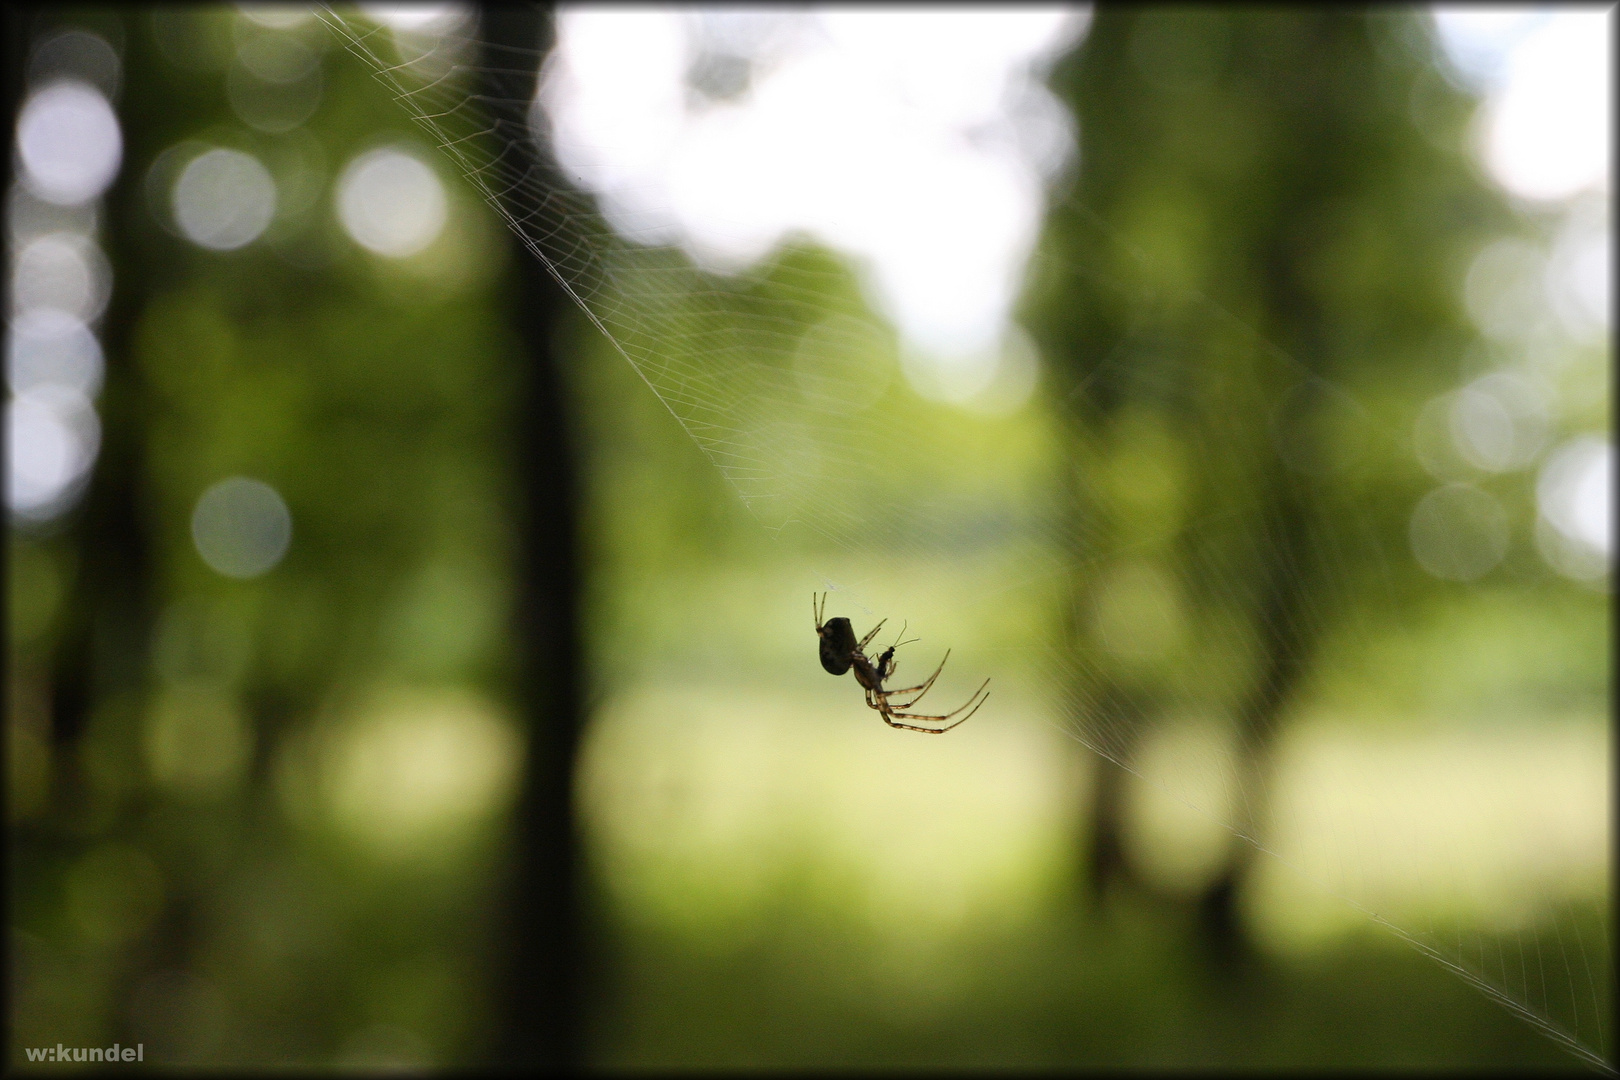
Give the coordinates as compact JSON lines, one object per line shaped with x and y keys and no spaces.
{"x":106,"y":644}
{"x":107,"y":616}
{"x":101,"y":649}
{"x":541,"y":1009}
{"x":1268,"y":207}
{"x":98,"y":658}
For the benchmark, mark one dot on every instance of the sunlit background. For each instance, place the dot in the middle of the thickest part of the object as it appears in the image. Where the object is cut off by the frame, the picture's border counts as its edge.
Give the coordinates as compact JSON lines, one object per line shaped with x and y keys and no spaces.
{"x":267,"y":719}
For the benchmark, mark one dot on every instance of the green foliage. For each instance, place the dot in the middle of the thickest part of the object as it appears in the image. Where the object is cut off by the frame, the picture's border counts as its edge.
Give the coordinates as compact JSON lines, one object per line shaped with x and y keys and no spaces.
{"x":188,"y":877}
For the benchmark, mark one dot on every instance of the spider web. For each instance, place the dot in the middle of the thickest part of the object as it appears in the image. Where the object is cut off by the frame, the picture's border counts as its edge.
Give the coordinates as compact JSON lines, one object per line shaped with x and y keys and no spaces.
{"x":772,"y":367}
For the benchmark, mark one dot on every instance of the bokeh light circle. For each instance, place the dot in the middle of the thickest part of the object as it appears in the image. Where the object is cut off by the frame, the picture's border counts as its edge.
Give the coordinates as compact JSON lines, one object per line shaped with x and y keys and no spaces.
{"x":391,"y":203}
{"x":1499,"y":422}
{"x":1459,"y":532}
{"x":224,"y":199}
{"x":276,"y":16}
{"x":418,"y":18}
{"x":52,"y":437}
{"x":1575,"y":492}
{"x":241,"y":527}
{"x":69,"y":142}
{"x":63,"y":271}
{"x":47,"y":346}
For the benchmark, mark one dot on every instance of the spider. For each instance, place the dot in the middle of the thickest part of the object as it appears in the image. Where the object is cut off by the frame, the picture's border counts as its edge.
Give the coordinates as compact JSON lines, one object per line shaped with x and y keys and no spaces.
{"x":840,"y":652}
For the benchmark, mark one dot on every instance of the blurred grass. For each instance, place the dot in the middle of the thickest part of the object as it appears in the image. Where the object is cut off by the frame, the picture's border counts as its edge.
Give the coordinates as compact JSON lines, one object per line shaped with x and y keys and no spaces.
{"x":1123,"y":987}
{"x":784,"y":882}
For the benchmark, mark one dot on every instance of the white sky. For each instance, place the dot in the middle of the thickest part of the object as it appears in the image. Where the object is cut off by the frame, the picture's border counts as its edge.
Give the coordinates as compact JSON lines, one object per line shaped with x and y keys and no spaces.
{"x":1547,"y":73}
{"x":917,"y":142}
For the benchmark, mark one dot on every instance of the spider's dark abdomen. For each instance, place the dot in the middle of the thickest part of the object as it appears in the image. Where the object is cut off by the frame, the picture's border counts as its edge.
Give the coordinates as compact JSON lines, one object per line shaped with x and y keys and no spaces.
{"x":837,"y":645}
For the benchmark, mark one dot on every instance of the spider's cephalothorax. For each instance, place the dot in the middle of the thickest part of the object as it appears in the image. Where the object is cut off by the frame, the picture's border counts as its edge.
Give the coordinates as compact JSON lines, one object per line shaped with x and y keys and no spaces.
{"x":840,"y":652}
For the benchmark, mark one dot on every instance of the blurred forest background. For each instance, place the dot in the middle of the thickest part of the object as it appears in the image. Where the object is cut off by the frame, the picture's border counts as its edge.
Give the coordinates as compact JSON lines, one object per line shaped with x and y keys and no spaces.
{"x":394,"y":679}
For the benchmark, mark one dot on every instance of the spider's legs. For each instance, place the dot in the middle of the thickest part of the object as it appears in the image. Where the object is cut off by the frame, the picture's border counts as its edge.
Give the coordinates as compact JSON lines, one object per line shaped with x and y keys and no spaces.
{"x":871,"y":634}
{"x":914,"y":727}
{"x":921,"y":688}
{"x":980,"y":696}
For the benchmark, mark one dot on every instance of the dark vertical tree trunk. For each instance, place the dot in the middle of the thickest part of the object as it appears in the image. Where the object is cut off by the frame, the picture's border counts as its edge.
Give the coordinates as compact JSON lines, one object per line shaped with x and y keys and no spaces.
{"x":101,"y":652}
{"x":1325,"y":150}
{"x":108,"y":651}
{"x":1288,"y":636}
{"x":540,"y":946}
{"x":1106,"y":861}
{"x":107,"y":615}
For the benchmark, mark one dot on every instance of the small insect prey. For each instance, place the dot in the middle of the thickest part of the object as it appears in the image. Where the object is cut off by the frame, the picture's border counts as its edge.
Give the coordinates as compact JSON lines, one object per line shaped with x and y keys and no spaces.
{"x":840,"y":652}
